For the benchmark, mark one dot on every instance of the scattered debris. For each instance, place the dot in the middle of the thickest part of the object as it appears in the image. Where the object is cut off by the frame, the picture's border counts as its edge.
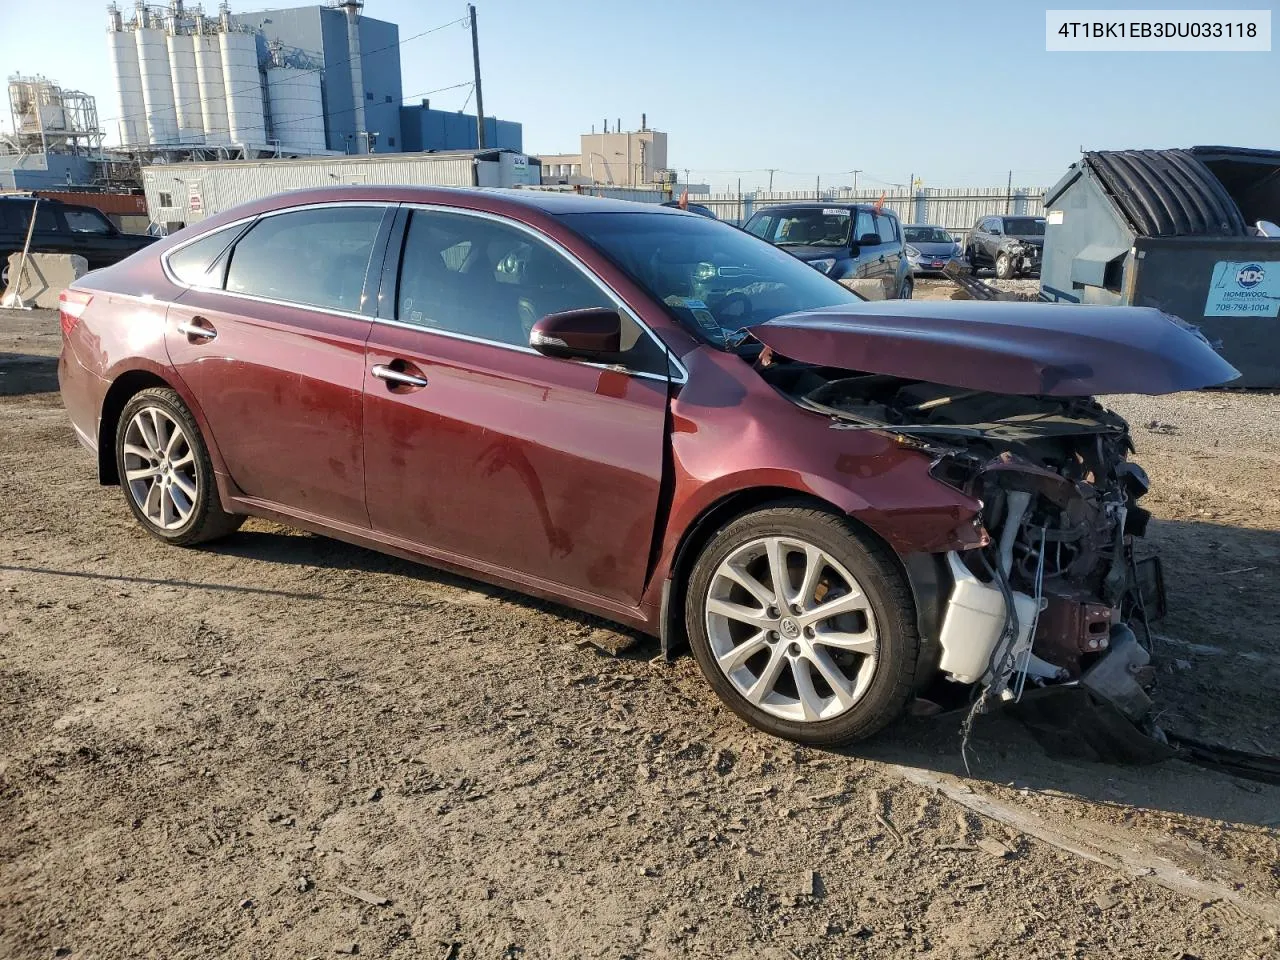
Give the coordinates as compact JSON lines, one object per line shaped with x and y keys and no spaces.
{"x":370,"y":898}
{"x":995,"y":848}
{"x":1156,"y":426}
{"x":350,"y":949}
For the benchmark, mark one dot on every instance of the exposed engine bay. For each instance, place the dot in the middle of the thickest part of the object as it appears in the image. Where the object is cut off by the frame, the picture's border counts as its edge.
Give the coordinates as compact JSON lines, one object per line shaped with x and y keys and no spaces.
{"x":1058,"y":587}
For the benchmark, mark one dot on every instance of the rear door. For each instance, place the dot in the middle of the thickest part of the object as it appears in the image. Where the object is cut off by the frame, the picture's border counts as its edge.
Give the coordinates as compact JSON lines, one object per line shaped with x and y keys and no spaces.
{"x":481,"y":450}
{"x":270,"y":338}
{"x":891,"y":257}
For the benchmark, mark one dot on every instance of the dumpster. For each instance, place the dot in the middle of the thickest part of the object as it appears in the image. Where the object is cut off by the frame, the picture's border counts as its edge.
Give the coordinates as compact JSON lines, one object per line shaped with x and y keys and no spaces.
{"x":1177,"y":230}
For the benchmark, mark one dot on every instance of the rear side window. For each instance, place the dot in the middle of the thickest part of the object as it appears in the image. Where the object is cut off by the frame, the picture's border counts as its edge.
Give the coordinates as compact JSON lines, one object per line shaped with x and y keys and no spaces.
{"x":18,"y":216}
{"x":86,"y":221}
{"x":200,"y":263}
{"x":317,"y":258}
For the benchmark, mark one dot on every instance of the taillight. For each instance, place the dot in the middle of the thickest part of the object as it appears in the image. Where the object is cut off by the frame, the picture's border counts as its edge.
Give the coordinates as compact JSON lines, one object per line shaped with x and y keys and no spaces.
{"x":71,"y":307}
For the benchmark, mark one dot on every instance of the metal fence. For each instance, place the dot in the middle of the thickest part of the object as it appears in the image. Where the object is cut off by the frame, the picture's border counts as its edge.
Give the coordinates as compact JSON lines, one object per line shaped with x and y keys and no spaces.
{"x":955,"y":209}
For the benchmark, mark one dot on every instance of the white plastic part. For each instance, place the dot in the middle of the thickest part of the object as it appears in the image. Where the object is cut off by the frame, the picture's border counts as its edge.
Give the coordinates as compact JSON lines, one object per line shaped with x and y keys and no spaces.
{"x":974,"y":623}
{"x":157,"y":85}
{"x":297,"y":108}
{"x":186,"y":87}
{"x":123,"y":53}
{"x":243,"y":83}
{"x":1017,"y":501}
{"x":213,"y":92}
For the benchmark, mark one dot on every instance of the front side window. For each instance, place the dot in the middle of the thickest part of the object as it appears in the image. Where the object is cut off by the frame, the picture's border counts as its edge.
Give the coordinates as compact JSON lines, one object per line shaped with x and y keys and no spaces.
{"x":760,"y":226}
{"x":316,"y":257}
{"x":490,"y":280}
{"x":87,"y":221}
{"x":712,"y":278}
{"x":865,"y":225}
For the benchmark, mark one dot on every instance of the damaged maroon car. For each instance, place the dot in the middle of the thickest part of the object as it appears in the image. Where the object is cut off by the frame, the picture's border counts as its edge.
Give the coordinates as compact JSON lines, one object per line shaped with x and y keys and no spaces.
{"x":653,"y":417}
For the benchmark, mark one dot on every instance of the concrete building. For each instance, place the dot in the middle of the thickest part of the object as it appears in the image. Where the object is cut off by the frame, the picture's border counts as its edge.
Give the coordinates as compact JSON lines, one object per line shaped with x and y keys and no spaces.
{"x":183,"y":193}
{"x":613,"y":158}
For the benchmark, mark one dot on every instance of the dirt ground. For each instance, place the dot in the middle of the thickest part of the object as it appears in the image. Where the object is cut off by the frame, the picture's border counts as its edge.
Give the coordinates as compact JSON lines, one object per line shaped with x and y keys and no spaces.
{"x":283,"y":746}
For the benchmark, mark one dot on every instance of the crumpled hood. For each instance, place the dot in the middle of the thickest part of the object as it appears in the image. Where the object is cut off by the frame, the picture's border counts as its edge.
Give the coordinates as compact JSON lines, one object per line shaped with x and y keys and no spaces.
{"x":1061,"y":350}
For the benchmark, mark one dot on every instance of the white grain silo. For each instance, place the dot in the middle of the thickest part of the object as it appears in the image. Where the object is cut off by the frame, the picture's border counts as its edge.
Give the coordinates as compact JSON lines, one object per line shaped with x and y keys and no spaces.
{"x":297,"y":108}
{"x":213,"y":92}
{"x":243,"y":84}
{"x":131,"y":109}
{"x":186,"y":87}
{"x":157,"y":83}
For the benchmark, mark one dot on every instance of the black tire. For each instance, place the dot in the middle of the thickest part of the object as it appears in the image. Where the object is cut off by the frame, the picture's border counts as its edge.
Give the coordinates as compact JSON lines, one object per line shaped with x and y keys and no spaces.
{"x":4,"y":271}
{"x":208,"y":521}
{"x":908,"y":287}
{"x":883,"y":583}
{"x":971,"y":258}
{"x":1005,"y":268}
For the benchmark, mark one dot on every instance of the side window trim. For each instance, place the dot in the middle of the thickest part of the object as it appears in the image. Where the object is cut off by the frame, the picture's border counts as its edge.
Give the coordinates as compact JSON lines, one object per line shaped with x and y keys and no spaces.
{"x":389,"y":290}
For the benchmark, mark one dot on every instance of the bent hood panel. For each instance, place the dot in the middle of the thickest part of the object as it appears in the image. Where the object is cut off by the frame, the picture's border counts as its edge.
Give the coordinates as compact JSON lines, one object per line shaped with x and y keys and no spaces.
{"x":1062,"y":350}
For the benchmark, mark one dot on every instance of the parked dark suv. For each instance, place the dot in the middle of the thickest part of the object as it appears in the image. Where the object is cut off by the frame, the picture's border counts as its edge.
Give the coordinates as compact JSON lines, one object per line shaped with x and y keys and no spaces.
{"x":63,"y":228}
{"x":847,"y":241}
{"x":1012,"y":245}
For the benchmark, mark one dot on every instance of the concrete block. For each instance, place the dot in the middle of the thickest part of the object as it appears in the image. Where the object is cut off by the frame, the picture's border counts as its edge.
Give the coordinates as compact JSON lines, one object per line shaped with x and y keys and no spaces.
{"x":46,"y":276}
{"x":876,"y":289}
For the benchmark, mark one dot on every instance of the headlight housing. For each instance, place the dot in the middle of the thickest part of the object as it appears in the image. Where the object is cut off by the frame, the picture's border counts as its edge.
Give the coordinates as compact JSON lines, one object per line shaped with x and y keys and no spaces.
{"x":912,"y":251}
{"x":824,"y":264}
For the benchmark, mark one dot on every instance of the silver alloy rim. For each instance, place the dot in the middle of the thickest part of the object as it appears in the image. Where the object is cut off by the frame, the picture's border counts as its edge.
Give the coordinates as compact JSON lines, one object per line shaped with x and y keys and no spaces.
{"x":792,"y":629}
{"x":160,"y":468}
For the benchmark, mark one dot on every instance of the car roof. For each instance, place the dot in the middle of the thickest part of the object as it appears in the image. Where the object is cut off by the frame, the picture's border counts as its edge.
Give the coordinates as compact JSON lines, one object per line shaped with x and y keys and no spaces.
{"x":821,"y":205}
{"x":549,"y":201}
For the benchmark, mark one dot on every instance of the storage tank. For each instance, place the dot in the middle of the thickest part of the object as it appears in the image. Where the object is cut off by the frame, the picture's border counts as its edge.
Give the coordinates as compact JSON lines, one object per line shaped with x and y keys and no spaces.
{"x":213,"y":92}
{"x":297,"y":108}
{"x":128,"y":83}
{"x":157,"y":85}
{"x":186,"y":87}
{"x":243,"y":84}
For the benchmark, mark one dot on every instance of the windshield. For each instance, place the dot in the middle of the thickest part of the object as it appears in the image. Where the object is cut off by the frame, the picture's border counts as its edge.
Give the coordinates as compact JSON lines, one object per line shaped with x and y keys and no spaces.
{"x":926,"y":235}
{"x":813,"y":228}
{"x":713,"y":278}
{"x":1024,"y":226}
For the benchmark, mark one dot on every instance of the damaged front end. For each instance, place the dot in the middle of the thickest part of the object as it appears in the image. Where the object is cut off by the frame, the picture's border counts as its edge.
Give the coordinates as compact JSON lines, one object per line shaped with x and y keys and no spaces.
{"x":1058,"y":595}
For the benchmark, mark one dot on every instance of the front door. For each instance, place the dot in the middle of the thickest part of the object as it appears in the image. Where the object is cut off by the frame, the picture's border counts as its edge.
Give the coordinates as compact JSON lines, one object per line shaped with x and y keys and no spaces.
{"x":93,"y":237}
{"x":272,"y":345}
{"x":478,"y":448}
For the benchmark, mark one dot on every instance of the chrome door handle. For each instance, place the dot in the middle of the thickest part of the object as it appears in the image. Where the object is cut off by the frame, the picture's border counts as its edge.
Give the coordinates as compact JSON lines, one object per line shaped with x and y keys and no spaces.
{"x":198,"y":332}
{"x":383,"y":372}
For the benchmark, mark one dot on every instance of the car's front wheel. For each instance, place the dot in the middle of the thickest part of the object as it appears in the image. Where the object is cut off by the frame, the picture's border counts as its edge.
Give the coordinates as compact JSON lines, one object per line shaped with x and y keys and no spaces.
{"x":908,"y":287}
{"x":802,"y":625}
{"x":165,"y":470}
{"x":1005,"y":267}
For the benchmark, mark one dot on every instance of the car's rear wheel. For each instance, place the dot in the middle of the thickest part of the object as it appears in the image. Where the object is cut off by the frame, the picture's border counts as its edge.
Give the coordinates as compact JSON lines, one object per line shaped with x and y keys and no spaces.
{"x":1004,"y":267}
{"x":165,"y":470}
{"x":803,"y":626}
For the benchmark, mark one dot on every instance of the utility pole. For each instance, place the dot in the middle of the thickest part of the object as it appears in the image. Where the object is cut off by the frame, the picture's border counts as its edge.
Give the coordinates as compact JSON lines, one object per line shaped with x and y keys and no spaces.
{"x":855,"y":181}
{"x":475,"y":60}
{"x":1008,"y":194}
{"x":771,"y":172}
{"x":818,"y":188}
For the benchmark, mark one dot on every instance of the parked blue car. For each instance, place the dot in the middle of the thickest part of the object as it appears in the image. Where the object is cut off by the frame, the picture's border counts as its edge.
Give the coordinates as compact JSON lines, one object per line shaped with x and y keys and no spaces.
{"x":846,"y":241}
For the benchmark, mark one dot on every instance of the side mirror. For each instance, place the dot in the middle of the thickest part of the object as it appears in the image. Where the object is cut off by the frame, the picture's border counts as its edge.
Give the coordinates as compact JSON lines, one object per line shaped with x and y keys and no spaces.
{"x":870,"y":240}
{"x":594,"y":333}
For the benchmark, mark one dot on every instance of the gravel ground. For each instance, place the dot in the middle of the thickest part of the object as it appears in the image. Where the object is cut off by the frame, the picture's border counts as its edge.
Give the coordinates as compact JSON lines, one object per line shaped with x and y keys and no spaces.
{"x":284,"y":746}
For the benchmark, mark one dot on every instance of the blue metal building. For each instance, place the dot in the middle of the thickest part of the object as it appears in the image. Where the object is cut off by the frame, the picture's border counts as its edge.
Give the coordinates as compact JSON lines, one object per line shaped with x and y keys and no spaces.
{"x":427,"y":129}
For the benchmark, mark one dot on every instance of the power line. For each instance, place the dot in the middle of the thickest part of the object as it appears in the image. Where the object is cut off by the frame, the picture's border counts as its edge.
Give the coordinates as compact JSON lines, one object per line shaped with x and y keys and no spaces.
{"x":263,"y":85}
{"x":412,"y":96}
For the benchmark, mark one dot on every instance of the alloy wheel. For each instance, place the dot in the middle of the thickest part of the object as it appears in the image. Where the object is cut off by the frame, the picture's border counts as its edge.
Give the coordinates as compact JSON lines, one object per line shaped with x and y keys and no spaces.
{"x":160,"y":468}
{"x":792,"y":629}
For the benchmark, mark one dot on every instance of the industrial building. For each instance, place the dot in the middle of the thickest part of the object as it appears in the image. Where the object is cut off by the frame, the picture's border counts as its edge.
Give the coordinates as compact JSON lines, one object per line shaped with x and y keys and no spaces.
{"x":183,"y":193}
{"x":322,"y":79}
{"x":615,"y":158}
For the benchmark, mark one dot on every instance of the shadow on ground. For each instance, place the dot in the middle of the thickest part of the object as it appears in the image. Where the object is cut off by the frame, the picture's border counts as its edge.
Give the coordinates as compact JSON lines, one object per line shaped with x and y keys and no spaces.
{"x":23,"y":373}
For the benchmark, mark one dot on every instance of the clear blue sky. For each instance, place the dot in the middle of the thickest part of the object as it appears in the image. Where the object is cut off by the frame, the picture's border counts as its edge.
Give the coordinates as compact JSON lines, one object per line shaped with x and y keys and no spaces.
{"x":956,"y":93}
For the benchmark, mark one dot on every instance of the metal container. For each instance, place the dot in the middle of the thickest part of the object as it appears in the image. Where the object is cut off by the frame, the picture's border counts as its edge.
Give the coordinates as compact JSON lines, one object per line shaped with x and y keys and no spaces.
{"x":1168,"y":229}
{"x":157,"y":85}
{"x":297,"y":108}
{"x":186,"y":87}
{"x":243,"y":84}
{"x":213,"y":92}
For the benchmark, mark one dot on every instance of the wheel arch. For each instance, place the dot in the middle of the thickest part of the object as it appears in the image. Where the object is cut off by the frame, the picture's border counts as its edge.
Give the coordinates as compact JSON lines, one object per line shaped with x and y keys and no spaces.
{"x":725,"y":510}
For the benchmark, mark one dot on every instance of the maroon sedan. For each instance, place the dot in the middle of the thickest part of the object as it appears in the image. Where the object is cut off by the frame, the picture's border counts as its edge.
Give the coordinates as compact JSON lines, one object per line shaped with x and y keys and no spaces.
{"x":648,"y":415}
